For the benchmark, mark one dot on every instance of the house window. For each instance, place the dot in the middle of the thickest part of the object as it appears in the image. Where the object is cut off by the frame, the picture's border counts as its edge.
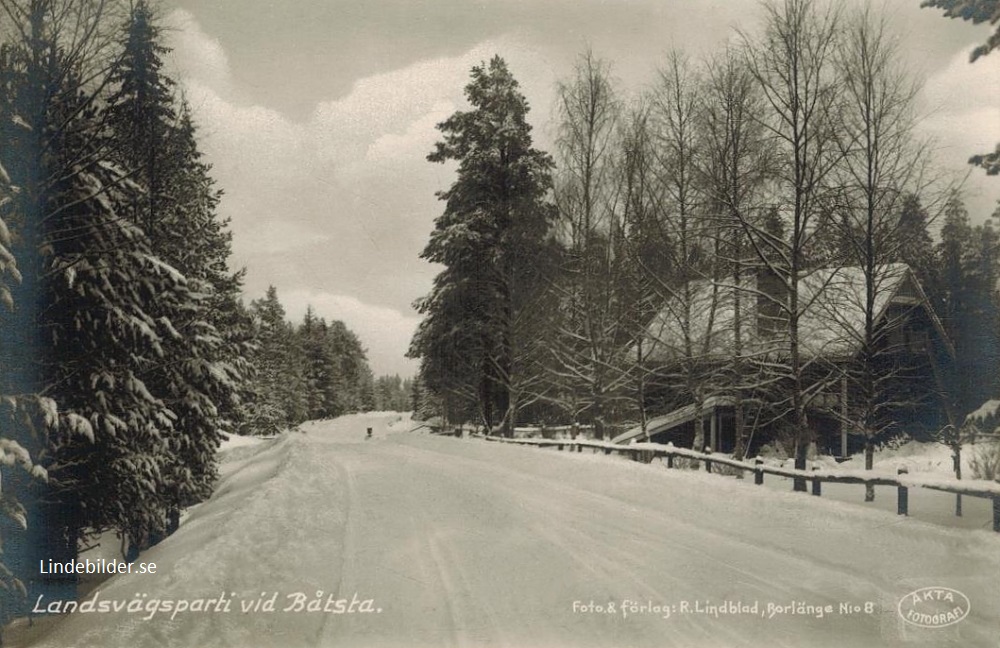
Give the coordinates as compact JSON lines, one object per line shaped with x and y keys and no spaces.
{"x":916,"y":340}
{"x":897,"y":339}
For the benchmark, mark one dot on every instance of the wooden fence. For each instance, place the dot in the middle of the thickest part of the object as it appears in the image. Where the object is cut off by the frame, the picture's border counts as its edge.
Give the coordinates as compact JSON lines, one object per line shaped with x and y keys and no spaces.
{"x":902,"y":481}
{"x":548,"y":432}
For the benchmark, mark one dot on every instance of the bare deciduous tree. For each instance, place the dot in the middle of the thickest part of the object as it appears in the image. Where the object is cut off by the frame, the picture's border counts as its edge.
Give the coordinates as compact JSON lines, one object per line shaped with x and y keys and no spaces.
{"x":734,"y":168}
{"x":882,"y":164}
{"x":587,"y":365}
{"x":793,"y":64}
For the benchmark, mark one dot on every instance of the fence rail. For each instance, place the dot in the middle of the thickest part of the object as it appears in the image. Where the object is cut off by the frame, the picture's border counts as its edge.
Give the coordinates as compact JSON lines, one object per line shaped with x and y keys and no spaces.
{"x":902,"y":481}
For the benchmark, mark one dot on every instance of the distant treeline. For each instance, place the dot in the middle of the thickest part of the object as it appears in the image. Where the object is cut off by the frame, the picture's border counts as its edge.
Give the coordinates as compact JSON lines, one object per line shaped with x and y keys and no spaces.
{"x":314,"y":370}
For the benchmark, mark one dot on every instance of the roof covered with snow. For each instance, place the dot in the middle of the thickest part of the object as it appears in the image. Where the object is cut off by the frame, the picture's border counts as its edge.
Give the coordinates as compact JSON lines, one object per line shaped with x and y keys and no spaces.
{"x":831,"y":303}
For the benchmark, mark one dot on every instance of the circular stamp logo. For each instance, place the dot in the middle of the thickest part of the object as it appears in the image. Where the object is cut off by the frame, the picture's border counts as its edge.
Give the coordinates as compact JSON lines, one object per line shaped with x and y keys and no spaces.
{"x":934,"y":607}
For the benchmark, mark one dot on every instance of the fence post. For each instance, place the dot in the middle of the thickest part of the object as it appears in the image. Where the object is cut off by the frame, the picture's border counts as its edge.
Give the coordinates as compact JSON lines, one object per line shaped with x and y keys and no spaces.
{"x":758,"y":474}
{"x":996,"y":513}
{"x":708,"y":462}
{"x":817,"y":484}
{"x":670,"y":461}
{"x":903,"y":494}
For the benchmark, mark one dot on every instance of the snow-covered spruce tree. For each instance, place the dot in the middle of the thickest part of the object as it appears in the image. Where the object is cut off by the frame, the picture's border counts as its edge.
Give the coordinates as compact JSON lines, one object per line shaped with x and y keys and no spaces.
{"x":423,"y":403}
{"x":103,"y":339}
{"x":916,"y":247}
{"x":321,"y":390}
{"x":278,"y":400}
{"x":314,"y":371}
{"x":16,"y":410}
{"x":393,"y":393}
{"x":142,"y":115}
{"x":200,"y":372}
{"x":50,"y":80}
{"x":969,"y":259}
{"x":205,"y":260}
{"x":450,"y":355}
{"x":350,"y":385}
{"x":366,"y":387}
{"x":336,"y":371}
{"x":490,"y":238}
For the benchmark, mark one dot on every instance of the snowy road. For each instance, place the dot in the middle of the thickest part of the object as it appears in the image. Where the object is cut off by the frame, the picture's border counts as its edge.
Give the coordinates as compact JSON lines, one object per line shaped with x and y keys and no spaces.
{"x":453,"y":542}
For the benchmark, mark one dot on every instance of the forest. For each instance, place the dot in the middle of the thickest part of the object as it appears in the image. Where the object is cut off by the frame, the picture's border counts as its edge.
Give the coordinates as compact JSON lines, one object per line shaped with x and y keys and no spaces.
{"x":728,"y":196}
{"x":126,"y":353}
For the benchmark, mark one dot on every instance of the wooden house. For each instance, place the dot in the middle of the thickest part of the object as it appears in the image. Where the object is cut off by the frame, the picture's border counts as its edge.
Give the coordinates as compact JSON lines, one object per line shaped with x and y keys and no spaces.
{"x":727,"y":344}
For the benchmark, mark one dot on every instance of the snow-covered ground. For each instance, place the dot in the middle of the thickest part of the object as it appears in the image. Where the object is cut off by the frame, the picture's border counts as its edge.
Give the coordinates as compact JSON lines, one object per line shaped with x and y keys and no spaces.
{"x":428,"y":541}
{"x":919,"y":460}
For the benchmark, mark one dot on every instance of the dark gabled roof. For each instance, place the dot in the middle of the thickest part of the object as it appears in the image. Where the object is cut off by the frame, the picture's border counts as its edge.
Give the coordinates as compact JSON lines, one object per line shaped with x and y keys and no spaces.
{"x":832,"y":303}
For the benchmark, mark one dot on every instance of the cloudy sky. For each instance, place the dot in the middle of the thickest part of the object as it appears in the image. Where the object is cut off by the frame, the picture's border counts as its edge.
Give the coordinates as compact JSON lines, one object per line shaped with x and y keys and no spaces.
{"x":317,"y":116}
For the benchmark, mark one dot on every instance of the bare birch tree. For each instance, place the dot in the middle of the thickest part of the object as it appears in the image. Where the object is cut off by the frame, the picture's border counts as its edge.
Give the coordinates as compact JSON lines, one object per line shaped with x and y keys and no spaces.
{"x":685,"y":236}
{"x":647,"y":267}
{"x":793,"y":64}
{"x":593,"y":336}
{"x":882,"y":164}
{"x":733,"y":172}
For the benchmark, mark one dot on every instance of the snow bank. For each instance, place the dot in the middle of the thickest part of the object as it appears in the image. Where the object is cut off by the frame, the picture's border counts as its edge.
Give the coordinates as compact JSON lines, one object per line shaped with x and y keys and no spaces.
{"x":987,"y":410}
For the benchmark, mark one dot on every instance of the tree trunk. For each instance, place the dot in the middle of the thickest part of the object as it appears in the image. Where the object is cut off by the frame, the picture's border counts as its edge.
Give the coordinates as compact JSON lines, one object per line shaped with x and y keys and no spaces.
{"x":739,"y":441}
{"x":869,"y":464}
{"x":699,"y":427}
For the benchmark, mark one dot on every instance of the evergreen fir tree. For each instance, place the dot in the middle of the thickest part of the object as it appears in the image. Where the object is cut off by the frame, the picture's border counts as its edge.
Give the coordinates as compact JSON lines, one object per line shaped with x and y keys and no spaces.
{"x":177,"y":212}
{"x":319,"y":370}
{"x":969,"y":258}
{"x":279,"y":401}
{"x":916,"y":247}
{"x":85,"y":335}
{"x":492,"y":232}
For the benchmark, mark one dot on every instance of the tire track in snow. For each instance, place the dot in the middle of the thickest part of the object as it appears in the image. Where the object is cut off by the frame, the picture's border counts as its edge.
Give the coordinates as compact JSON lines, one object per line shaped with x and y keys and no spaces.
{"x":580,"y":539}
{"x":432,"y":571}
{"x":589,"y":543}
{"x":577,"y":532}
{"x":340,"y":473}
{"x":458,"y":593}
{"x":506,"y":474}
{"x":774,"y":585}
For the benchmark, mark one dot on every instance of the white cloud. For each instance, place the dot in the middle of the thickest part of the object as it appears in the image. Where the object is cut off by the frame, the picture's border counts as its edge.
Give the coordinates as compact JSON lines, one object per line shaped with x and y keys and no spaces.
{"x":401,"y":107}
{"x":197,"y":57}
{"x":963,"y":85}
{"x":963,"y":102}
{"x":417,"y":141}
{"x":252,"y":141}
